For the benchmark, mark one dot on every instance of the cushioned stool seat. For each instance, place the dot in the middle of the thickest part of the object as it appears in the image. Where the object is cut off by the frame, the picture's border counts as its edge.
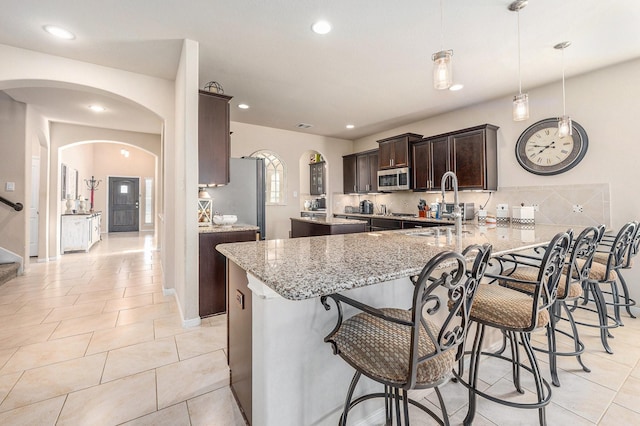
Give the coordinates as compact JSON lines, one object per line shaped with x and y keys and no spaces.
{"x":531,"y":274}
{"x":506,"y":308}
{"x":381,"y":348}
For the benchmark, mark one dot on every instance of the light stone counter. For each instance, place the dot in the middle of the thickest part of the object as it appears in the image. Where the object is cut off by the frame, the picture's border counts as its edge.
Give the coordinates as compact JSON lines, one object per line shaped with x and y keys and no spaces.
{"x":304,"y":268}
{"x":226,"y":228}
{"x":330,"y":221}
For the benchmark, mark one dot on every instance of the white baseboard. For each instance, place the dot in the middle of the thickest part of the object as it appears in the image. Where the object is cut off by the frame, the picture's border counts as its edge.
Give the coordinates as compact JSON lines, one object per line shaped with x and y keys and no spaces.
{"x":186,"y":323}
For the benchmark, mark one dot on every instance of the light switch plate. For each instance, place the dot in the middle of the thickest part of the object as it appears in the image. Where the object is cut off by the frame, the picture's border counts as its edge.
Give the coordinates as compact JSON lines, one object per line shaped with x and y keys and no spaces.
{"x":240,"y":299}
{"x":10,"y":186}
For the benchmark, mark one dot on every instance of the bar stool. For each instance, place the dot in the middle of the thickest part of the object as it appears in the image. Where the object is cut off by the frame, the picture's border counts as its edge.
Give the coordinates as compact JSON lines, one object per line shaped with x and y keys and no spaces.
{"x":410,"y":349}
{"x":602,"y":274}
{"x":574,"y":276}
{"x":516,"y":314}
{"x":627,"y":263}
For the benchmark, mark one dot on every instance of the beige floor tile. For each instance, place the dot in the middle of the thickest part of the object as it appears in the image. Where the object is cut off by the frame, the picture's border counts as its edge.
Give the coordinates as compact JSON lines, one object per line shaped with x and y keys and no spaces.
{"x":41,"y":413}
{"x":128,"y":302}
{"x":5,"y":354}
{"x":159,"y":297}
{"x":45,"y":353}
{"x":7,"y":382}
{"x":9,"y":298}
{"x":169,"y":326}
{"x":142,"y":289}
{"x":193,"y":377}
{"x":617,"y":415}
{"x":137,"y":358}
{"x":52,"y":302}
{"x":120,"y":337}
{"x":93,"y":296}
{"x":53,"y":380}
{"x":111,"y":403}
{"x":86,"y":324}
{"x":201,"y":341}
{"x":176,"y":415}
{"x":9,"y":309}
{"x":636,"y":371}
{"x":75,"y":311}
{"x":25,"y":316}
{"x":130,"y":316}
{"x":629,"y":395}
{"x":21,"y":336}
{"x":125,"y":281}
{"x":217,"y":408}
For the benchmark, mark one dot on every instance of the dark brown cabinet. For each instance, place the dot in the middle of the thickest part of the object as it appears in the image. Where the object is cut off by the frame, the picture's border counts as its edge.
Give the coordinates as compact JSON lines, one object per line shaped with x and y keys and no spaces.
{"x":213,"y":138}
{"x":470,"y":153}
{"x":430,"y":162}
{"x":394,"y":151}
{"x":317,"y":178}
{"x":360,"y":172}
{"x":212,"y":270}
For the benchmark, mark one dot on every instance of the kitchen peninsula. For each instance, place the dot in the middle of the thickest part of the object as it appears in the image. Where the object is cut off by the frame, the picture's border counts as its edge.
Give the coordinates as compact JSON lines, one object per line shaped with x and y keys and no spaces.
{"x":282,"y":372}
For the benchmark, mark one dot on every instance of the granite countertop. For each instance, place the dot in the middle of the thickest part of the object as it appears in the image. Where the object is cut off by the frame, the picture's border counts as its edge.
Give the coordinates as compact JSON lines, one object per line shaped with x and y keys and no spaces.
{"x":392,"y":217}
{"x":226,"y":228}
{"x":303,"y":268}
{"x":329,"y":221}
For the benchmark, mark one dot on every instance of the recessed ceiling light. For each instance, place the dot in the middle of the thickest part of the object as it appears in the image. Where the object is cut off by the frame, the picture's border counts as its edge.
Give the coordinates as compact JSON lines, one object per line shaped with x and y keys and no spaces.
{"x":456,"y":87}
{"x":304,"y":126}
{"x":59,"y":32}
{"x":350,"y":126}
{"x":243,"y":106}
{"x":321,"y":27}
{"x":97,"y":108}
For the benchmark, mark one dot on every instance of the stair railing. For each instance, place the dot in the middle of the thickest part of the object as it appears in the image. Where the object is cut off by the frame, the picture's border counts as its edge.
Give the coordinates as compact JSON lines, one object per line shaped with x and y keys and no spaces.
{"x":16,"y":206}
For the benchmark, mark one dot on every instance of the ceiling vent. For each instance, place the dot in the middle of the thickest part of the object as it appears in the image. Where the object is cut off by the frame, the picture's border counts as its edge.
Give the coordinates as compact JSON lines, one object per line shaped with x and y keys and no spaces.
{"x":303,"y":125}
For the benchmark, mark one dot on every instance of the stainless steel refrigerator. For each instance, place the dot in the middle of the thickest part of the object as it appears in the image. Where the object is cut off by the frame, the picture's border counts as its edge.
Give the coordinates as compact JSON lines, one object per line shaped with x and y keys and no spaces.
{"x":244,"y":195}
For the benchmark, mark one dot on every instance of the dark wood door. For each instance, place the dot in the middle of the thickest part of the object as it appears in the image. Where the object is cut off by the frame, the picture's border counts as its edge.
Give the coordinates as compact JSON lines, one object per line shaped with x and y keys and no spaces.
{"x":385,"y":155}
{"x":124,"y":204}
{"x":213,"y":138}
{"x":362,"y":166}
{"x":373,"y":172}
{"x":468,"y":158}
{"x":440,"y":162}
{"x":349,"y":174}
{"x":421,"y":167}
{"x":401,"y":152}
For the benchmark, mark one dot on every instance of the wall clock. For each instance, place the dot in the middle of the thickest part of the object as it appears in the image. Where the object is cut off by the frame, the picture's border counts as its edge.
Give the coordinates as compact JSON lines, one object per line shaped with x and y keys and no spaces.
{"x":539,"y":150}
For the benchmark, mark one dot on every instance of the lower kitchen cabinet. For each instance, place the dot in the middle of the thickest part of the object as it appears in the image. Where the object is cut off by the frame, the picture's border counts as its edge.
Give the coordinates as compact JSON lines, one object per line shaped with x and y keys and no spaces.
{"x":213,"y":270}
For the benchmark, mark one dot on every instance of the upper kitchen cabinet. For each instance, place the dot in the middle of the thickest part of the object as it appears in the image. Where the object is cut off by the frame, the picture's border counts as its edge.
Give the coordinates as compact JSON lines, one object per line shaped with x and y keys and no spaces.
{"x":470,"y":153}
{"x":430,"y":161}
{"x":317,"y":178}
{"x":360,"y":172}
{"x":213,"y":138}
{"x":394,"y":151}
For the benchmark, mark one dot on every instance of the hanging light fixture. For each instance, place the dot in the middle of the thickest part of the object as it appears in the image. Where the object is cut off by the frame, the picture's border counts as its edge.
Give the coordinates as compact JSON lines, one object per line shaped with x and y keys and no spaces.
{"x":565,"y":127}
{"x":521,"y":100}
{"x":442,"y":73}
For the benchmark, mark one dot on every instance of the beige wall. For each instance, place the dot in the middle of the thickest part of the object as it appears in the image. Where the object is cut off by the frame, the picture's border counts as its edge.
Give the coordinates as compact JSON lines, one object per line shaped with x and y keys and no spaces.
{"x":290,"y":147}
{"x":13,"y":169}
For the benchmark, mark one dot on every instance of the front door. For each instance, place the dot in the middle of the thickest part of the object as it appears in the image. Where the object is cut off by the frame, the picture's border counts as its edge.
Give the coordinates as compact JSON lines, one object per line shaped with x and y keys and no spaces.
{"x":124,"y":204}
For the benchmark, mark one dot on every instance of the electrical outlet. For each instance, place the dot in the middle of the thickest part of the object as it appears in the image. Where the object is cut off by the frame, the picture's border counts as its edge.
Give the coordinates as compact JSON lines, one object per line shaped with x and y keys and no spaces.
{"x":577,"y":208}
{"x":536,"y":208}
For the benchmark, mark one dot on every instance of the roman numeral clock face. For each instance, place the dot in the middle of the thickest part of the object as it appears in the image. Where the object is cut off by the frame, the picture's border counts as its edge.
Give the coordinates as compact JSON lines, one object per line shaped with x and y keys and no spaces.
{"x":541,"y":151}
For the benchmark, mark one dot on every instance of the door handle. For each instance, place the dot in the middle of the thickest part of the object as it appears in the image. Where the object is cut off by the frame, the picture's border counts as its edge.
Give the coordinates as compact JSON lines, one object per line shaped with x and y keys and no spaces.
{"x":137,"y":204}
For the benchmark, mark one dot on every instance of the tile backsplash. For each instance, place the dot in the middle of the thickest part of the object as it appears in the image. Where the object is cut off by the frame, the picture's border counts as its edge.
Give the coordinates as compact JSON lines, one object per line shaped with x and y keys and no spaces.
{"x":585,"y":205}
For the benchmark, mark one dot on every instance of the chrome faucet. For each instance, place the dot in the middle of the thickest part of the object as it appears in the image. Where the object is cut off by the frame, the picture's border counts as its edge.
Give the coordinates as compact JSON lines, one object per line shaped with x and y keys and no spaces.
{"x":457,"y":213}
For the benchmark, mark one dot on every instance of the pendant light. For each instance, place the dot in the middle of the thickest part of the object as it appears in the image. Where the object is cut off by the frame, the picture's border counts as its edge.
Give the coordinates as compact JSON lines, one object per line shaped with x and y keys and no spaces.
{"x":442,"y":72}
{"x":565,"y":127}
{"x":521,"y":100}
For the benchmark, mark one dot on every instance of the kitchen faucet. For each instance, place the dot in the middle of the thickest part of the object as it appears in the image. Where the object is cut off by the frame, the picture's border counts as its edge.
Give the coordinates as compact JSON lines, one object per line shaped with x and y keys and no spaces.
{"x":457,"y":214}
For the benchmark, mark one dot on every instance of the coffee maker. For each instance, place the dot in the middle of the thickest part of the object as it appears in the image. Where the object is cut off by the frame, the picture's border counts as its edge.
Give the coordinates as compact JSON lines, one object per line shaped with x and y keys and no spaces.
{"x":366,"y":207}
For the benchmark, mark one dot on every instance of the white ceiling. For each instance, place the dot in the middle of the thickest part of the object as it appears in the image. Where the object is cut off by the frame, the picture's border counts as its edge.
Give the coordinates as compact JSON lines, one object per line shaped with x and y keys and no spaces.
{"x":373,"y":70}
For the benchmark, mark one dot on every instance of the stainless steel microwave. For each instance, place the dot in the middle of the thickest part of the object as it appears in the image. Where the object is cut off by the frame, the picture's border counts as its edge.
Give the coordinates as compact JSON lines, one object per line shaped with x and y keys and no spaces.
{"x":393,"y":179}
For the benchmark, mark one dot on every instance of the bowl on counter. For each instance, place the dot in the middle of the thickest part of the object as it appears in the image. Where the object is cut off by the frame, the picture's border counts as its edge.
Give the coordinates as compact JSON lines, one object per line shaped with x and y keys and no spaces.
{"x":225,"y":219}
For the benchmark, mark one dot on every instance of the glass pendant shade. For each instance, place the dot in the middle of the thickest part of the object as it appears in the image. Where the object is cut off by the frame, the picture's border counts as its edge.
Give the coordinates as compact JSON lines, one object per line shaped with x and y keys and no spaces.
{"x":442,"y":73}
{"x":565,"y":127}
{"x":520,"y":107}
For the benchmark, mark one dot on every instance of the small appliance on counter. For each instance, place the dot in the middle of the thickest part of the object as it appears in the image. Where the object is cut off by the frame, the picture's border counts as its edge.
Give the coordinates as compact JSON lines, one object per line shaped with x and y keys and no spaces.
{"x":467,"y":210}
{"x":502,"y":213}
{"x":366,"y":207}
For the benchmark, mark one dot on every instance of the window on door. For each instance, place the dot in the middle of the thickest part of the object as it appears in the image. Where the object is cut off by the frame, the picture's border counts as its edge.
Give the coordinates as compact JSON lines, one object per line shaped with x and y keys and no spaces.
{"x":148,"y":201}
